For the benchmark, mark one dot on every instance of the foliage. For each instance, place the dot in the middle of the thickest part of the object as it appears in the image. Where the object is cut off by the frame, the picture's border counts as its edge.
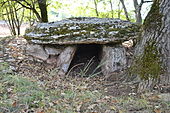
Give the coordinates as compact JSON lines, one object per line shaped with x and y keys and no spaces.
{"x":87,"y":9}
{"x":3,"y":66}
{"x":18,"y":90}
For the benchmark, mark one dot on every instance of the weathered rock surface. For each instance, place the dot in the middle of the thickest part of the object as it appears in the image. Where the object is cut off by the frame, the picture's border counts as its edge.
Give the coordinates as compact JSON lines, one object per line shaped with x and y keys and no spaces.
{"x":50,"y":50}
{"x":37,"y":51}
{"x":82,"y":30}
{"x":114,"y":59}
{"x":64,"y":59}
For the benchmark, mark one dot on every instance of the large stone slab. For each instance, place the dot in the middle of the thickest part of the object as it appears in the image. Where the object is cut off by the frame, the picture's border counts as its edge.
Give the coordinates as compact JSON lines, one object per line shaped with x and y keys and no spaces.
{"x":113,"y":59}
{"x":82,"y":30}
{"x":64,"y":59}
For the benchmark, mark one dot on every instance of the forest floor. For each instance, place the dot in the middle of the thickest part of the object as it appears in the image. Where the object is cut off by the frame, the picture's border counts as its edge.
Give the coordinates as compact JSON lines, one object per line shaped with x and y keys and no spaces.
{"x":28,"y":85}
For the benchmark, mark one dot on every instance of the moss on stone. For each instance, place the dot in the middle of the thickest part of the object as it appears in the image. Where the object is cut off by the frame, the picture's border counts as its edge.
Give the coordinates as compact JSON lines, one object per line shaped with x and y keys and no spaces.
{"x":97,"y":30}
{"x":148,"y":65}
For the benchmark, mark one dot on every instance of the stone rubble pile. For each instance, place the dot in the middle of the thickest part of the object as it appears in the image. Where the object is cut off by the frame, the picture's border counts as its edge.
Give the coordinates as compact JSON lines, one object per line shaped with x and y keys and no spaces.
{"x":13,"y":52}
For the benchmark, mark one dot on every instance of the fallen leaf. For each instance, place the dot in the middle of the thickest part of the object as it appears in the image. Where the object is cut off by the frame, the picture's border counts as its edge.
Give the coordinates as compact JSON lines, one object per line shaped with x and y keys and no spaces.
{"x":114,"y":101}
{"x":14,"y":104}
{"x":120,"y":111}
{"x":154,"y":98}
{"x":113,"y":108}
{"x":157,"y":111}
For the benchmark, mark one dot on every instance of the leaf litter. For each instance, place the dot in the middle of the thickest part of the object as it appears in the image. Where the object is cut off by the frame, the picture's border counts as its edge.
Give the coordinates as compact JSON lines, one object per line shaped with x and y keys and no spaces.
{"x":35,"y":87}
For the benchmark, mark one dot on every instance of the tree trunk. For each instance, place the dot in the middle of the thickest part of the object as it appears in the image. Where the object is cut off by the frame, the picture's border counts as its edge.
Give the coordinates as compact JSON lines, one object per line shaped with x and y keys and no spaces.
{"x":43,"y":8}
{"x":152,"y":54}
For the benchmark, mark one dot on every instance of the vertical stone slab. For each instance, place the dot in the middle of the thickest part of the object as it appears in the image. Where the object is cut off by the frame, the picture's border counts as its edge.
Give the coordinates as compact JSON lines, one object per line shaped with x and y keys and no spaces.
{"x":114,"y":59}
{"x":64,"y":59}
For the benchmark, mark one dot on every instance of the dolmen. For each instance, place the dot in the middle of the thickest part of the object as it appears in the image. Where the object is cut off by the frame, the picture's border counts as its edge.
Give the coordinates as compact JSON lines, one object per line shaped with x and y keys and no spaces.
{"x":82,"y":44}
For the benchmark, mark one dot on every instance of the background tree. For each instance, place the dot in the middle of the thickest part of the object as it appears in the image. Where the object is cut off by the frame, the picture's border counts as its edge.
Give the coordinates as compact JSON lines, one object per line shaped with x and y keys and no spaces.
{"x":16,"y":11}
{"x":14,"y":16}
{"x":125,"y":10}
{"x":138,"y":7}
{"x":111,"y":6}
{"x":152,"y":55}
{"x":96,"y":8}
{"x":43,"y":9}
{"x":30,"y":4}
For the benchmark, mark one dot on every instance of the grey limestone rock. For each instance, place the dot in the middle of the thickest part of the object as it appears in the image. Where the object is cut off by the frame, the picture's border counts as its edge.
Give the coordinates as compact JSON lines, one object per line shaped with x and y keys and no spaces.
{"x":65,"y":58}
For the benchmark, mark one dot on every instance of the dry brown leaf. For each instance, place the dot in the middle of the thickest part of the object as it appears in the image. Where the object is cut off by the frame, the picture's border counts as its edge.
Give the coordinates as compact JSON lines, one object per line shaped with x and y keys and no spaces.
{"x":154,"y":98}
{"x":14,"y":104}
{"x":40,"y":112}
{"x":114,"y":101}
{"x":157,"y":111}
{"x":113,"y":108}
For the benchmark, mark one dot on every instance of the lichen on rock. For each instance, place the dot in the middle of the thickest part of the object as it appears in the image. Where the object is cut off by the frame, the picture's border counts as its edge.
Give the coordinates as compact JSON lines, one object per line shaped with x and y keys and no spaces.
{"x":82,"y":30}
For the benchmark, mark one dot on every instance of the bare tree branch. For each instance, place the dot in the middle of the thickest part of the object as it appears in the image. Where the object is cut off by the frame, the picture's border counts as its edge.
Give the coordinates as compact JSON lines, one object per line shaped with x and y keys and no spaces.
{"x":125,"y":10}
{"x":95,"y":3}
{"x":12,"y":11}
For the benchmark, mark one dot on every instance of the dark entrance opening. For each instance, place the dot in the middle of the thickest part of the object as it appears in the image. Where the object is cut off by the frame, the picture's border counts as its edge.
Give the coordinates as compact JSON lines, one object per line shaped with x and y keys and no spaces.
{"x":86,"y":61}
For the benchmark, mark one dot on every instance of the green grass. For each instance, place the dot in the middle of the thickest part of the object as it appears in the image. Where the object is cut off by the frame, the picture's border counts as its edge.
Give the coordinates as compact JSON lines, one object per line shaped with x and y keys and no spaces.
{"x":14,"y":88}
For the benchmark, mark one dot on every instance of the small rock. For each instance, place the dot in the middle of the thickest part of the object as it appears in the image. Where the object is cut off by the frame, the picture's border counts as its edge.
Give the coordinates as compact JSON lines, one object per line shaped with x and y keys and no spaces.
{"x":1,"y":61}
{"x":20,"y":58}
{"x":165,"y":97}
{"x":7,"y":49}
{"x":12,"y":44}
{"x":37,"y":51}
{"x":13,"y":68}
{"x":11,"y":60}
{"x":5,"y":55}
